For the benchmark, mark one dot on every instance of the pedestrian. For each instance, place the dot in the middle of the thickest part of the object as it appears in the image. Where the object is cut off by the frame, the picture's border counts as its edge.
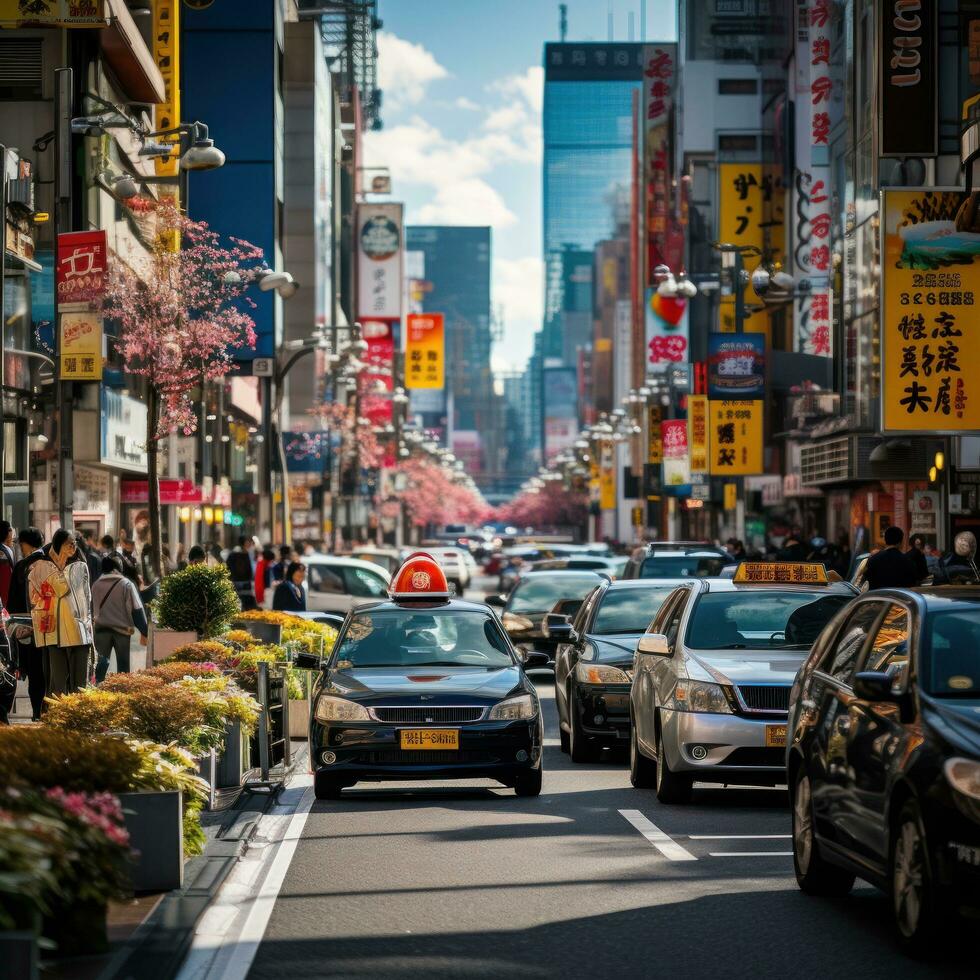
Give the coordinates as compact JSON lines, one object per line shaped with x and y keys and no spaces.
{"x":181,"y":559}
{"x":290,"y":596}
{"x":197,"y":555}
{"x":61,"y":610}
{"x":793,"y":548}
{"x":735,"y":549}
{"x":117,"y":612}
{"x":242,"y":572}
{"x":263,"y":574}
{"x":279,"y":568}
{"x":7,"y":560}
{"x":890,"y":568}
{"x":843,"y":563}
{"x":917,"y":555}
{"x":86,"y":547}
{"x":31,"y":659}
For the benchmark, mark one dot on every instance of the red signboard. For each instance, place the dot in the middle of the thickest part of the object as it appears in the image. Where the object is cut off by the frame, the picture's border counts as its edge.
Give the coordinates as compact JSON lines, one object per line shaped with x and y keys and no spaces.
{"x":171,"y":492}
{"x":376,"y":397}
{"x":82,"y":265}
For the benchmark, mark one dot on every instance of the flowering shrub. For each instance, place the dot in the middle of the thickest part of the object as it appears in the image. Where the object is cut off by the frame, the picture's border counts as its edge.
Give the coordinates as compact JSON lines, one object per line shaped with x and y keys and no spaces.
{"x":171,"y":713}
{"x":131,"y":683}
{"x":223,"y":702}
{"x":295,"y":629}
{"x":204,"y":651}
{"x":170,"y":673}
{"x":240,"y":638}
{"x":91,"y":711}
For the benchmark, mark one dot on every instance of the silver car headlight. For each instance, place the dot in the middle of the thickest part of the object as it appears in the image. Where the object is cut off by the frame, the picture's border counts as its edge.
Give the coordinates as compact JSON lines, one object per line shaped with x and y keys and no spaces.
{"x":964,"y":776}
{"x":600,"y":674}
{"x":521,"y":708}
{"x":329,"y":708}
{"x":699,"y":696}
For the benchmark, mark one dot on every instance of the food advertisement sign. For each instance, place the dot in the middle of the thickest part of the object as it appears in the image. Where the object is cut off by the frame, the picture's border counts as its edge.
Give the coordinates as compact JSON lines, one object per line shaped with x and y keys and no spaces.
{"x":930,"y":334}
{"x":735,"y":434}
{"x":666,"y":330}
{"x":697,"y":436}
{"x":80,"y":277}
{"x":736,"y":365}
{"x":425,"y":349}
{"x":677,"y":464}
{"x":81,"y":346}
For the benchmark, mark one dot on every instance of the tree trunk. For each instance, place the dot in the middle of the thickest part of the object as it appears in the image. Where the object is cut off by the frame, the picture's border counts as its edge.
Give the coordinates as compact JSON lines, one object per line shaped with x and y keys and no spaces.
{"x":153,"y":476}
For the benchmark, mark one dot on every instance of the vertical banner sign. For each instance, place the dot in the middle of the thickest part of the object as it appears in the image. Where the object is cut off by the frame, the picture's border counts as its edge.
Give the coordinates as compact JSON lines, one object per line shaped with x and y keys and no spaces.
{"x":80,"y":276}
{"x":731,"y":496}
{"x":736,"y":365}
{"x":819,"y":98}
{"x":607,"y":479}
{"x":80,"y":347}
{"x":666,"y":330}
{"x":697,"y":436}
{"x":930,"y":329}
{"x":736,"y":437}
{"x":677,"y":465}
{"x":166,"y":54}
{"x":425,"y":351}
{"x":655,"y":445}
{"x":379,"y":358}
{"x":907,"y":77}
{"x":379,"y":261}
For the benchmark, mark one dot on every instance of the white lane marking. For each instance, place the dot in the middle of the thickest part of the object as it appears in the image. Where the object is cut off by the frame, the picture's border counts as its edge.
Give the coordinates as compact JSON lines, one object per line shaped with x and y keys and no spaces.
{"x":664,"y":843}
{"x":749,"y":854}
{"x":739,"y":836}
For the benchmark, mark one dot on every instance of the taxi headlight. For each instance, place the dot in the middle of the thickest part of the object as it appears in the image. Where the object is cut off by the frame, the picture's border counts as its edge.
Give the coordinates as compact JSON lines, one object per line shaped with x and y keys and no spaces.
{"x":964,"y":776}
{"x":340,"y":709}
{"x":699,"y":696}
{"x":521,"y":708}
{"x":600,"y":674}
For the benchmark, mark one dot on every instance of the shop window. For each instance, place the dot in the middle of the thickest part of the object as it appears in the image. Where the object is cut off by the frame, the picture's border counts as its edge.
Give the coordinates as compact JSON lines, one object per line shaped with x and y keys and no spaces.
{"x":21,"y":69}
{"x":738,"y":86}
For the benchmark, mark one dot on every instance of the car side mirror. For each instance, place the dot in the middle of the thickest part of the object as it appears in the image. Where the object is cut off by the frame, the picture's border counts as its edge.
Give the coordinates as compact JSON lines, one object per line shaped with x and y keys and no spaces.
{"x":535,"y":659}
{"x":557,"y":627}
{"x":307,"y":661}
{"x":497,"y":601}
{"x":873,"y":685}
{"x":655,"y":644}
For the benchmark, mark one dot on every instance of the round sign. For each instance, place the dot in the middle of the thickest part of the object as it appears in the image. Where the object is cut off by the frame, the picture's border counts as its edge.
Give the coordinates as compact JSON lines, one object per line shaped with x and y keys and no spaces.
{"x":380,"y":238}
{"x":198,"y":4}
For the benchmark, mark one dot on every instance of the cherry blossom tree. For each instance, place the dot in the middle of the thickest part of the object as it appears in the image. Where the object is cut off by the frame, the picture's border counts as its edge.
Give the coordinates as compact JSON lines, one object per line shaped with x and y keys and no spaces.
{"x":551,"y":505}
{"x":432,"y":497}
{"x":178,"y":322}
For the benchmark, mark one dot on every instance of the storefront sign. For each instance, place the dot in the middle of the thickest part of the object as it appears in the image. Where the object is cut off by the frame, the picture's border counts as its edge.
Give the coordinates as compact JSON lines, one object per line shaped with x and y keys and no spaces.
{"x":925,"y":512}
{"x":166,"y":53}
{"x":80,"y":346}
{"x":930,"y":332}
{"x":80,"y":278}
{"x":731,"y":496}
{"x":607,"y":480}
{"x":425,"y":351}
{"x":666,"y":330}
{"x":736,"y":365}
{"x":123,"y":431}
{"x":171,"y":492}
{"x":907,"y":73}
{"x":736,"y":437}
{"x":697,"y":435}
{"x":379,"y":261}
{"x":53,"y":13}
{"x":378,"y":376}
{"x":655,"y":445}
{"x":677,"y":463}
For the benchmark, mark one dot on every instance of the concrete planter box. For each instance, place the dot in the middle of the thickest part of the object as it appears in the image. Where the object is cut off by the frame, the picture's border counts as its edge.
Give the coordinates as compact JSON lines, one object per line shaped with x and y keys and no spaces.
{"x":207,"y":769}
{"x":161,"y":643}
{"x":19,"y":954}
{"x":155,"y":822}
{"x":265,"y":632}
{"x":234,"y":760}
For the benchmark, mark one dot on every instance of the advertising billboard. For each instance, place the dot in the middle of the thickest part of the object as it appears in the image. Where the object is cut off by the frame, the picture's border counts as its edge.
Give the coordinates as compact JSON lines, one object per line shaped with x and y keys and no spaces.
{"x":677,"y":462}
{"x":735,"y":434}
{"x":425,"y":351}
{"x":736,"y":365}
{"x":380,"y":249}
{"x":666,"y":330}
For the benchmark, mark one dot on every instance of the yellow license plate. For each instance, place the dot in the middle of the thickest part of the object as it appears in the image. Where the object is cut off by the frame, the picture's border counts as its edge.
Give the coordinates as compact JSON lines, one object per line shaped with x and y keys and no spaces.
{"x":429,"y":738}
{"x":775,"y":736}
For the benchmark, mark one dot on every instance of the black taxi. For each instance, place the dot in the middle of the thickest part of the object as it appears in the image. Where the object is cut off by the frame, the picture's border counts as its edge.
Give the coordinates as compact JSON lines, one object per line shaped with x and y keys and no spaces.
{"x":884,"y":757}
{"x":424,"y":686}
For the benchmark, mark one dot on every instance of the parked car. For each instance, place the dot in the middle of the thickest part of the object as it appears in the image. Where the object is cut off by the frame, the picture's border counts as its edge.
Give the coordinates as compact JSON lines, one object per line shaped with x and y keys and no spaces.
{"x":678,"y":560}
{"x":884,"y":757}
{"x":336,"y":584}
{"x":454,"y":563}
{"x":592,"y":563}
{"x":388,"y":558}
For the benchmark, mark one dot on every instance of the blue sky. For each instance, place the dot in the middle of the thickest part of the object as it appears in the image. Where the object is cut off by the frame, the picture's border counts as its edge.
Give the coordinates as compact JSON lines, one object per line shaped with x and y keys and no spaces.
{"x":462,"y":125}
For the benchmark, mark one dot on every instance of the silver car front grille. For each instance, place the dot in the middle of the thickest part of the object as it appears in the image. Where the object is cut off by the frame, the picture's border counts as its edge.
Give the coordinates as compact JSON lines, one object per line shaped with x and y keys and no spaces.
{"x":767,"y":698}
{"x":435,"y":714}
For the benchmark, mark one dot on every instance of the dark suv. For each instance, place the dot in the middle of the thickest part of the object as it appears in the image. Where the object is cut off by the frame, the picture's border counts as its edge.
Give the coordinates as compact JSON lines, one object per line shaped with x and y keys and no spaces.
{"x":670,"y":559}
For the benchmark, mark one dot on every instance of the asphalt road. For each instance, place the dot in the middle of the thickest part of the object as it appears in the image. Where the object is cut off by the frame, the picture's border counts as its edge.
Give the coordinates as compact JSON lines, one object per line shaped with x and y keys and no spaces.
{"x":450,"y":880}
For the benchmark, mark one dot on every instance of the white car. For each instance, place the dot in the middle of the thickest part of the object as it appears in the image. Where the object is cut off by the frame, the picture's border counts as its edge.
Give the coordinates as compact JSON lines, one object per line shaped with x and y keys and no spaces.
{"x":335,"y":584}
{"x":455,"y":562}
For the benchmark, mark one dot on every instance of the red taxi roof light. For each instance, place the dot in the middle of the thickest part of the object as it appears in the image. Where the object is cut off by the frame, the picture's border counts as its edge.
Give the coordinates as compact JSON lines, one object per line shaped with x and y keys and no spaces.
{"x":419,"y":578}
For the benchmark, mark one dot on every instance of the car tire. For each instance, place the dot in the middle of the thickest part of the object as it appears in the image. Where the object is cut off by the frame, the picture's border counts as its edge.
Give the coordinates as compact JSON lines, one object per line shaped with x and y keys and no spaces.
{"x":814,"y":874}
{"x":327,"y":786}
{"x":563,"y":740}
{"x":917,"y":910}
{"x":672,"y":787}
{"x":528,"y":783}
{"x":643,"y":771}
{"x":580,"y":746}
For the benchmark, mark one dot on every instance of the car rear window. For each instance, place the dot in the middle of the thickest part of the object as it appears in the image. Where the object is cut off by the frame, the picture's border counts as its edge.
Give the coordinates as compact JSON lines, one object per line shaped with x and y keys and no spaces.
{"x":539,"y":595}
{"x":953,"y":653}
{"x":629,"y":610}
{"x":682,"y":566}
{"x":761,"y":619}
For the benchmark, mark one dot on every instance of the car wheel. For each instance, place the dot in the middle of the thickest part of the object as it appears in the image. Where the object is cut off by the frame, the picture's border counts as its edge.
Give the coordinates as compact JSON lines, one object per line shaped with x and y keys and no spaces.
{"x":813,"y":874}
{"x":672,"y":787}
{"x":327,"y":787}
{"x":563,"y":740}
{"x":580,"y":746}
{"x":643,"y":771}
{"x":528,"y":783}
{"x":918,"y":916}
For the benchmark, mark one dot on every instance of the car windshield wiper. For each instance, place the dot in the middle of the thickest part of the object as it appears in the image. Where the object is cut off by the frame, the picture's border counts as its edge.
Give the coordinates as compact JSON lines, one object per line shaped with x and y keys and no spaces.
{"x":727,"y":646}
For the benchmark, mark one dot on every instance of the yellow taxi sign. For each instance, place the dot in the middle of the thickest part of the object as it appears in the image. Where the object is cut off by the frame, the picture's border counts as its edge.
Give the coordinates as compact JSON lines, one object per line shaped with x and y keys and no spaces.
{"x":788,"y":572}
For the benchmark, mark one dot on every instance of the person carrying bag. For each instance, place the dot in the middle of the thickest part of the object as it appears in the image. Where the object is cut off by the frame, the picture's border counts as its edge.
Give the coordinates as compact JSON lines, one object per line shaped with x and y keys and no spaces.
{"x":117,"y":613}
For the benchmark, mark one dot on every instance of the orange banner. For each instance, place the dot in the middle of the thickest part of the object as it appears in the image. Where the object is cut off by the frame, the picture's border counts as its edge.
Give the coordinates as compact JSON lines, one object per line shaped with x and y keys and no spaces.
{"x":425,"y":351}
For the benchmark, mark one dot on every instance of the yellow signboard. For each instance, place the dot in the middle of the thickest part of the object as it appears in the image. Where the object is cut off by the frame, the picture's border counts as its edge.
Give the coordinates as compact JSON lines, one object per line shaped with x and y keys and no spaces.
{"x":697,"y":432}
{"x":166,"y":53}
{"x":930,"y":333}
{"x":425,"y":351}
{"x":80,"y":347}
{"x":754,"y":321}
{"x":53,"y":13}
{"x":764,"y":572}
{"x":607,"y":488}
{"x":637,"y":516}
{"x":655,"y":444}
{"x":731,"y":496}
{"x":735,"y":435}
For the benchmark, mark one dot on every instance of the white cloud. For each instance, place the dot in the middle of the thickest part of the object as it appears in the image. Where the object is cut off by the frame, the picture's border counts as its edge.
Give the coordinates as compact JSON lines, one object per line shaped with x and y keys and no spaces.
{"x":518,"y":286}
{"x":464,"y":103}
{"x":405,"y":70}
{"x":466,"y":202}
{"x":529,"y":87}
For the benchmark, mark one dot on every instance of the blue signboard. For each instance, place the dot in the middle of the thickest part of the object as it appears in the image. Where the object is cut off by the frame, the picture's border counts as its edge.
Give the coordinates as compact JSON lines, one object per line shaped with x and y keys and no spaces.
{"x":736,"y":365}
{"x":307,"y":452}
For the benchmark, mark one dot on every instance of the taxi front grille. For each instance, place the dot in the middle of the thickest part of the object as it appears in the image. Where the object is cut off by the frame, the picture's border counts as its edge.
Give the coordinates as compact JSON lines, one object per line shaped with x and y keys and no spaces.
{"x":411,"y":757}
{"x":764,"y":697}
{"x":436,"y":714}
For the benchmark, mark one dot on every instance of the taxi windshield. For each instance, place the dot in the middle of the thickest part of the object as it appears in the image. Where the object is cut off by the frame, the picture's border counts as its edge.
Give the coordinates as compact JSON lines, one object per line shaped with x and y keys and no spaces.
{"x":539,"y":595}
{"x":953,"y":656}
{"x":761,"y":619}
{"x":416,"y":637}
{"x":682,"y":566}
{"x":629,"y":610}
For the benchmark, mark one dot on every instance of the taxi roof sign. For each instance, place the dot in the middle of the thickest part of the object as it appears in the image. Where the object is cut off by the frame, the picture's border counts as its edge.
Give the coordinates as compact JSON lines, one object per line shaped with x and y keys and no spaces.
{"x":781,"y":572}
{"x":420,"y":578}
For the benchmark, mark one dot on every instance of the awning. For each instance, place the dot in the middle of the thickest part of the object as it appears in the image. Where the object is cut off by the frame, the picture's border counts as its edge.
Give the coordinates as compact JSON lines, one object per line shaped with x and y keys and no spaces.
{"x":130,"y":59}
